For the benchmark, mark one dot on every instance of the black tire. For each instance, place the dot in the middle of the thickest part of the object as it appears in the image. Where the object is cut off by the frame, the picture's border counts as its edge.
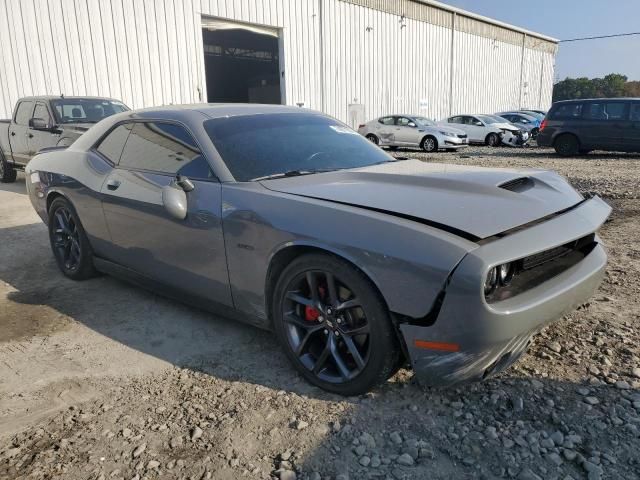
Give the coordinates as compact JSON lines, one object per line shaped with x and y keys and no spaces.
{"x":69,"y":242}
{"x":8,"y":174}
{"x":373,"y":139}
{"x":429,"y":144}
{"x":585,"y":152}
{"x":329,"y":333}
{"x":393,"y":148}
{"x":566,"y":145}
{"x":492,"y":140}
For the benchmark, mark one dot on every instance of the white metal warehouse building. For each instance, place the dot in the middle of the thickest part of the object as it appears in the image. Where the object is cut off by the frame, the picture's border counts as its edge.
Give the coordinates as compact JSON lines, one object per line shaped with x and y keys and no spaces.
{"x":353,"y":59}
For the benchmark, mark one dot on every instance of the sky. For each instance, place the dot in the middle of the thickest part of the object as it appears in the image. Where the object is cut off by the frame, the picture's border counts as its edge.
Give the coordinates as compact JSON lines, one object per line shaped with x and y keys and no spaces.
{"x":565,"y":19}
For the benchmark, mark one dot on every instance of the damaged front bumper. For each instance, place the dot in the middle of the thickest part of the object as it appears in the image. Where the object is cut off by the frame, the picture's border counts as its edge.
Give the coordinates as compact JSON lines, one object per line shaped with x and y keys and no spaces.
{"x":471,"y":339}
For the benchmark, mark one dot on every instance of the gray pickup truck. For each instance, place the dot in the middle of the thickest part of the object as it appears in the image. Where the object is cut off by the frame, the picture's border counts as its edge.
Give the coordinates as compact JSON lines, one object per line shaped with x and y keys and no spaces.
{"x":48,"y":121}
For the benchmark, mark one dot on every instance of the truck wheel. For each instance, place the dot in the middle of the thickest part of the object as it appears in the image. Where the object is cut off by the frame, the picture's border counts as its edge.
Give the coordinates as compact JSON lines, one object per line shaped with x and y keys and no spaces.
{"x":8,"y":174}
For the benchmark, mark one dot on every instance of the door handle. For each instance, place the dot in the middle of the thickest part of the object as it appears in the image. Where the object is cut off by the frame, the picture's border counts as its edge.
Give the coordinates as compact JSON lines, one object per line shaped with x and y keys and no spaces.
{"x":30,"y":135}
{"x":13,"y":134}
{"x":113,"y":184}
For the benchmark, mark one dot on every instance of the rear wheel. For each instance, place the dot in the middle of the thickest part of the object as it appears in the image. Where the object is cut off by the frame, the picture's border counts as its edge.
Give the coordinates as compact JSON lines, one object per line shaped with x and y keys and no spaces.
{"x":492,"y":140}
{"x":429,"y":144}
{"x":69,"y":242}
{"x":373,"y":139}
{"x":566,"y":145}
{"x":8,"y":174}
{"x":333,"y":325}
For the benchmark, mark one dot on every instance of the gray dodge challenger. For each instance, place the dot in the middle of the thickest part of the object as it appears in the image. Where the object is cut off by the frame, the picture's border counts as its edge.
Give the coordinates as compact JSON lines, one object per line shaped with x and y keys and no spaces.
{"x":288,"y":219}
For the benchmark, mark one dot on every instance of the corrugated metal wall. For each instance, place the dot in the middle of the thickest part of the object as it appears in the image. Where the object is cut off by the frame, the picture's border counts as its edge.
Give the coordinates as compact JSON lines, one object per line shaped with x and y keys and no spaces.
{"x":395,"y":57}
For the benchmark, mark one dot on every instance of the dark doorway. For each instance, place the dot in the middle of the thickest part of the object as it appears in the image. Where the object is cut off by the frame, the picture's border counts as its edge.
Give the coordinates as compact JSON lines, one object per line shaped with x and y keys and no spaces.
{"x":242,"y":64}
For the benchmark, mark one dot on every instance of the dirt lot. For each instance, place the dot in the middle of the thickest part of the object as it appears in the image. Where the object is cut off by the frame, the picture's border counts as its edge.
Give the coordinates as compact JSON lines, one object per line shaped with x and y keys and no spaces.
{"x":101,"y":380}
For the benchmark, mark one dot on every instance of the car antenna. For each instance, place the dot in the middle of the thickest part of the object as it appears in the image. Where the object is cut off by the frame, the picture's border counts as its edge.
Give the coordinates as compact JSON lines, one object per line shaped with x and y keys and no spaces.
{"x":62,"y":95}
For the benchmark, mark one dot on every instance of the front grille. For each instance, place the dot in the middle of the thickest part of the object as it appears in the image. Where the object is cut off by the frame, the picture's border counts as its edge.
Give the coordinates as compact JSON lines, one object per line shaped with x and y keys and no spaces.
{"x":536,"y":269}
{"x":462,"y":136}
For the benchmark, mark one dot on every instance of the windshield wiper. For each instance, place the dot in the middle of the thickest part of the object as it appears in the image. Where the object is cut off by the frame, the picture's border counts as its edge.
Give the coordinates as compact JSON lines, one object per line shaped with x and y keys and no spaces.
{"x":294,"y":173}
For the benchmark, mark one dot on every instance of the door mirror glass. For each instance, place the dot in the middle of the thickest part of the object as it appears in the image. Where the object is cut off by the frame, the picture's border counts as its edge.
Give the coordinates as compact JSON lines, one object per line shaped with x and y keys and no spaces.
{"x":477,"y":123}
{"x":39,"y":124}
{"x":174,"y":200}
{"x":411,"y":124}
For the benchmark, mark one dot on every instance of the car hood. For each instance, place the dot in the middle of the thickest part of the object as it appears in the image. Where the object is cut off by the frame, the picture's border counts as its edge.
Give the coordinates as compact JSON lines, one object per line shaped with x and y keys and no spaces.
{"x":473,"y":202}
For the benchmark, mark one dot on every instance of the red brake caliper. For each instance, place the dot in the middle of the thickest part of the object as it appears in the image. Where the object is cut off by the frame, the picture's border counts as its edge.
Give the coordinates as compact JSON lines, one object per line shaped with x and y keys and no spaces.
{"x":311,"y":314}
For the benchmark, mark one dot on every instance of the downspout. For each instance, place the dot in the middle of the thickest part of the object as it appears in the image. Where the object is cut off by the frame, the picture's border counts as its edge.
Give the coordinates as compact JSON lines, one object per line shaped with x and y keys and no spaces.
{"x":524,"y":42}
{"x":321,"y":38}
{"x":451,"y":69}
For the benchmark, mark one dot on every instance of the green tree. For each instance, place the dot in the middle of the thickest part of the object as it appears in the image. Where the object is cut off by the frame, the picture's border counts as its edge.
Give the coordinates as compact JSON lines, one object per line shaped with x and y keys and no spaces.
{"x":611,"y":86}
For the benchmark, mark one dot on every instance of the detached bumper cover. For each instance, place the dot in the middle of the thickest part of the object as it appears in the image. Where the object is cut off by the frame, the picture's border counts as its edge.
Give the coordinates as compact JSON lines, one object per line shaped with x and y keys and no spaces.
{"x":471,"y":339}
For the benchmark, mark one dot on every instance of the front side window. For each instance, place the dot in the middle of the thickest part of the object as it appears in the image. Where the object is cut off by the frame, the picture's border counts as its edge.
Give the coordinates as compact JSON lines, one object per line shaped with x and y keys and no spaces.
{"x":605,"y":111}
{"x":42,"y":112}
{"x":164,"y":148}
{"x":257,"y":146}
{"x":85,"y":110}
{"x":112,"y":145}
{"x":567,"y":111}
{"x":23,"y":113}
{"x":403,"y":121}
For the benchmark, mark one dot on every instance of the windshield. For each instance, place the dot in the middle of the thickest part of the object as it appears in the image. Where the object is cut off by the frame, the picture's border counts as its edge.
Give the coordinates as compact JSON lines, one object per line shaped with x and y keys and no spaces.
{"x":425,"y":122}
{"x":498,"y":119}
{"x":257,"y":146}
{"x":85,"y":110}
{"x":490,"y":119}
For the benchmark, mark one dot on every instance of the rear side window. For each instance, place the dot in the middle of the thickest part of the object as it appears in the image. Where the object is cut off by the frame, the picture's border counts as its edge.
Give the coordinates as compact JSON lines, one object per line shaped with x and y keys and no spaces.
{"x":605,"y":111}
{"x":386,"y":120}
{"x":111,"y":146}
{"x":455,"y":120}
{"x":23,"y":113}
{"x":635,"y":112}
{"x":164,"y":148}
{"x":567,"y":112}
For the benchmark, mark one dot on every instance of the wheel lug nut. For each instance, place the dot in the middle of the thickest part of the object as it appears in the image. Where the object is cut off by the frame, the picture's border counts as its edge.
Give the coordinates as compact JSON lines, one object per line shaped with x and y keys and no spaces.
{"x":326,"y":331}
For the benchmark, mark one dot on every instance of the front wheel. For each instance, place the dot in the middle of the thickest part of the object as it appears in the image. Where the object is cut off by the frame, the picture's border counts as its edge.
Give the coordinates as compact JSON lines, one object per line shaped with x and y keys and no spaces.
{"x":333,"y":325}
{"x":8,"y":174}
{"x":429,"y":144}
{"x":69,"y":242}
{"x":492,"y":140}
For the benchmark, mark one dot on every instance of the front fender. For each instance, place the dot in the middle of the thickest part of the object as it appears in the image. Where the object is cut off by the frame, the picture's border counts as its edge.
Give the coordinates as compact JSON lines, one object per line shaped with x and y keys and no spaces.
{"x":409,"y":262}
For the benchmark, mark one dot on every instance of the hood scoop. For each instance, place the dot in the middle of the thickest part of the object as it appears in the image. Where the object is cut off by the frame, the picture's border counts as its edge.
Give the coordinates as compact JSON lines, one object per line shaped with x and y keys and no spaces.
{"x":517,"y":184}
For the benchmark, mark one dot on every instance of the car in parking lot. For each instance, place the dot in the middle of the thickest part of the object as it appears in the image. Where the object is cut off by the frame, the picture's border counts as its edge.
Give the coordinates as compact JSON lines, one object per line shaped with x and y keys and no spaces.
{"x":47,"y":121}
{"x":414,"y":132}
{"x":485,"y":129}
{"x":580,"y":126}
{"x":526,"y":122}
{"x":291,"y":221}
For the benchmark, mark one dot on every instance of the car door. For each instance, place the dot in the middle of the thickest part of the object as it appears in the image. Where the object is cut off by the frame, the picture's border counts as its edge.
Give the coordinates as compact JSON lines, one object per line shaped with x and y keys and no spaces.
{"x":632,"y":135}
{"x":186,"y":254}
{"x":476,"y":130}
{"x":19,"y":131}
{"x":406,"y":132}
{"x":458,"y":122}
{"x":604,"y":123}
{"x":385,"y":130}
{"x":39,"y":139}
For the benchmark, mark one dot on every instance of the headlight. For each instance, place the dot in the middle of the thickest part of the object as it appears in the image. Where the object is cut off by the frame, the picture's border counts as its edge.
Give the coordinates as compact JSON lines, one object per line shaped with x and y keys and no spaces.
{"x":491,"y":282}
{"x":446,"y":134}
{"x":505,"y":273}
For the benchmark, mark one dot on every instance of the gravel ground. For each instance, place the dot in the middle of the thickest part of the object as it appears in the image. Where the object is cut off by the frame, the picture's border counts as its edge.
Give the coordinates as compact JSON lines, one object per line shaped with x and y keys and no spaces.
{"x":99,"y":380}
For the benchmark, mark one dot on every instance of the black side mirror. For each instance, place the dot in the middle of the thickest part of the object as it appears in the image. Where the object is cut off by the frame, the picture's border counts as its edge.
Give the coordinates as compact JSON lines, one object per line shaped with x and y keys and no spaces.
{"x":39,"y":124}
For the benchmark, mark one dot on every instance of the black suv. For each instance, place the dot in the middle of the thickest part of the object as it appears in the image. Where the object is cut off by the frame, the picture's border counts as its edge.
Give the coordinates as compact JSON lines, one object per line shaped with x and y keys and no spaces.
{"x":579,"y":126}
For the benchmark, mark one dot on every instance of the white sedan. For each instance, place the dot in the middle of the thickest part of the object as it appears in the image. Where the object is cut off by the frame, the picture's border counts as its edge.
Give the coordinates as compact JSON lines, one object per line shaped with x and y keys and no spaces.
{"x":485,"y":129}
{"x":411,"y":131}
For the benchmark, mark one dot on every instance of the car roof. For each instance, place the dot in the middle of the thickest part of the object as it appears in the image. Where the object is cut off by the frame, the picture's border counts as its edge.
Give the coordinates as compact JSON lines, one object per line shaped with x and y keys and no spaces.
{"x":579,"y":100}
{"x":218,"y":110}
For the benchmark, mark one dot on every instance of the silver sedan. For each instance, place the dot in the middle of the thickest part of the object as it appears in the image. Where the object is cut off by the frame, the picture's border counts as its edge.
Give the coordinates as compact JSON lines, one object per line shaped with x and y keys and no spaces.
{"x":411,"y":131}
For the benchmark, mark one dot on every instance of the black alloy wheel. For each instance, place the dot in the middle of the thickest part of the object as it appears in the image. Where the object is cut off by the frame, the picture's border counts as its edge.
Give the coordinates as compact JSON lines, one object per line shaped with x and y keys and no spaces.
{"x":69,"y":242}
{"x":333,"y":325}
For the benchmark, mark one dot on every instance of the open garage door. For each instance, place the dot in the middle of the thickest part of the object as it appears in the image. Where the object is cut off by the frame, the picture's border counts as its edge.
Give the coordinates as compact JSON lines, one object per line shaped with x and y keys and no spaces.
{"x":242,"y":62}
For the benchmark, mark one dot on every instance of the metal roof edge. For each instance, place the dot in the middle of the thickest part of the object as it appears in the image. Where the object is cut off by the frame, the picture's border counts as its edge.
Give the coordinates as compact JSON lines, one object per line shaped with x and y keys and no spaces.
{"x":466,"y":13}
